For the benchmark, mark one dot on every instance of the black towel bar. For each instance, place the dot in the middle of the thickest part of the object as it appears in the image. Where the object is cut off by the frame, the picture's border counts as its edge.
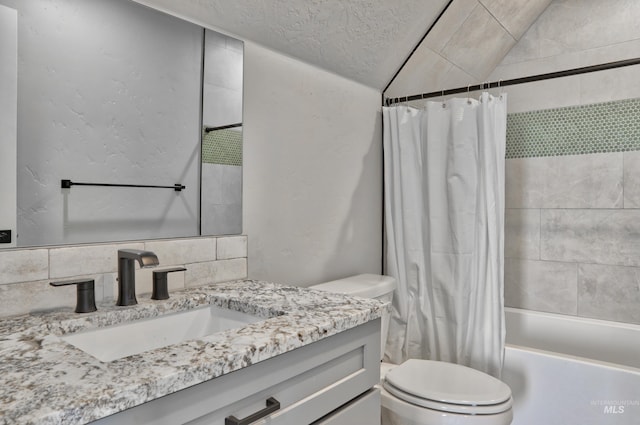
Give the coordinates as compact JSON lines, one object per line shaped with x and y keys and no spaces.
{"x":66,"y":184}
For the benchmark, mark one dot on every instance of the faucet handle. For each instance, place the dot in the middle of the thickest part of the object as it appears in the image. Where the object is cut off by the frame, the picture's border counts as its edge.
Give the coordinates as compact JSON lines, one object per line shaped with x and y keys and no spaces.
{"x":160,"y":283}
{"x":86,"y":299}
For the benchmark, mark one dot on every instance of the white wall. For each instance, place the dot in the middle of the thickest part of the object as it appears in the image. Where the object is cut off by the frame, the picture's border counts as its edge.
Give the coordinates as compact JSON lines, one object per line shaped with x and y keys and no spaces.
{"x":8,"y":119}
{"x":312,"y":171}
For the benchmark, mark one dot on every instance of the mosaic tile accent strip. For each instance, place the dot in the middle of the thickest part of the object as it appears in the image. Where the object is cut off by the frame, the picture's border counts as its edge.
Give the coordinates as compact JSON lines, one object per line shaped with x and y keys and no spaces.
{"x":575,"y":130}
{"x":222,"y":147}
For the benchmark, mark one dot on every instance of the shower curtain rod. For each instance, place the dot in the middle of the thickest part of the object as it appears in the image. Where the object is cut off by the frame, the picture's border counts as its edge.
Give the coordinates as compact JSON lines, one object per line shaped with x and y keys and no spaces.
{"x":514,"y":81}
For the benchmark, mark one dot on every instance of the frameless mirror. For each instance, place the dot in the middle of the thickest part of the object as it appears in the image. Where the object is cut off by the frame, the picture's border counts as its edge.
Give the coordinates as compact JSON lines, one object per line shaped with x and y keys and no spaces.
{"x":112,"y":93}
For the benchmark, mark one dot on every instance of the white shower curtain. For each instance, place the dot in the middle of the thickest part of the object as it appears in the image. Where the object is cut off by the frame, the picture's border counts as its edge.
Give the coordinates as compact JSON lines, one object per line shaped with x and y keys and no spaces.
{"x":444,"y":222}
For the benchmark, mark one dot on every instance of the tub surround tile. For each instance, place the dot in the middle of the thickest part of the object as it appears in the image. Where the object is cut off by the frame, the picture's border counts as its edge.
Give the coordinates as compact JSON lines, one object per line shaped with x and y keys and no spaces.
{"x":516,"y":15}
{"x":232,"y":247}
{"x":541,"y":94}
{"x":567,"y":26}
{"x":522,"y":233}
{"x":181,"y":251}
{"x":427,"y":71}
{"x":609,"y":292}
{"x":506,"y":71}
{"x":521,"y":189}
{"x":23,"y":265}
{"x":84,"y":260}
{"x":449,"y":24}
{"x":590,"y":203}
{"x":541,"y":285}
{"x":591,"y":236}
{"x":478,"y":58}
{"x":621,"y":83}
{"x":587,"y":181}
{"x":577,"y":130}
{"x":43,"y":380}
{"x":632,"y":179}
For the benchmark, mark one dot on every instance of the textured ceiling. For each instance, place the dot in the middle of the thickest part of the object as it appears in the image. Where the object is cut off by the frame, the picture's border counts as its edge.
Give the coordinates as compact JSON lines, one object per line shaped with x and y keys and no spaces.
{"x":369,"y":40}
{"x":364,"y":40}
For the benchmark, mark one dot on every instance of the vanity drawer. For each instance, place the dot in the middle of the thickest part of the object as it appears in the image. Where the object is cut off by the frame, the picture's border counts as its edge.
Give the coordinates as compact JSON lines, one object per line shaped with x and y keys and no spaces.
{"x":309,"y":383}
{"x":363,"y":410}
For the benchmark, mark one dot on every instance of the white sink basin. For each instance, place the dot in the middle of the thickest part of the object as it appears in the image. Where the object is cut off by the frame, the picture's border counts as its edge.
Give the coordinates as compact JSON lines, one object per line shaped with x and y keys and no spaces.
{"x":118,"y":341}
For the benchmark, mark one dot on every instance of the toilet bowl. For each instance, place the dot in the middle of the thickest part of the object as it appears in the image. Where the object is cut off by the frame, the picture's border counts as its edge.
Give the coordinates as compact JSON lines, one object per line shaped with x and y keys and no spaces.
{"x":426,"y":392}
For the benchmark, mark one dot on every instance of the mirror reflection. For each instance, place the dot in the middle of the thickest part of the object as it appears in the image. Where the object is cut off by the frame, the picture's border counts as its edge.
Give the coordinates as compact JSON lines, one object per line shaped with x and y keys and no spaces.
{"x":112,"y":92}
{"x":222,"y":135}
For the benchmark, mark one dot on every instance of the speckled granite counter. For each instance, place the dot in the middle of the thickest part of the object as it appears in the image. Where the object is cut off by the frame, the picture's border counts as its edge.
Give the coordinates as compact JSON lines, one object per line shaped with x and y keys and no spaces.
{"x":44,"y":380}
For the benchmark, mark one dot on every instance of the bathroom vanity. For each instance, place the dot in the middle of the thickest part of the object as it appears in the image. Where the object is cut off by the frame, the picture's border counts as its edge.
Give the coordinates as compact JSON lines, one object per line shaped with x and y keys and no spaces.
{"x":308,"y":357}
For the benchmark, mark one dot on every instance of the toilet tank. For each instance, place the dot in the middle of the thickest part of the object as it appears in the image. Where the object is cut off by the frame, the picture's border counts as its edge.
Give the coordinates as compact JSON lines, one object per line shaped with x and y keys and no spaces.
{"x":374,"y":286}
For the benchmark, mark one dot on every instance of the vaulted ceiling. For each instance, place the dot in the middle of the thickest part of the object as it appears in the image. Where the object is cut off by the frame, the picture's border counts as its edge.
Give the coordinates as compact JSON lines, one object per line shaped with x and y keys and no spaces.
{"x":369,"y":40}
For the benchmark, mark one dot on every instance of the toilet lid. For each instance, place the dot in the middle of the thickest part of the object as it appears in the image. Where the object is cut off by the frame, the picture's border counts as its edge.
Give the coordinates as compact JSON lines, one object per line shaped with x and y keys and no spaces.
{"x":448,"y":387}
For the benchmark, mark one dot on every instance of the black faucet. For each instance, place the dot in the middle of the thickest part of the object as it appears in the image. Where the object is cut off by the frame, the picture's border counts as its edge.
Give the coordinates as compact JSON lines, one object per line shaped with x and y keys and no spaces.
{"x":126,"y":273}
{"x":86,"y":299}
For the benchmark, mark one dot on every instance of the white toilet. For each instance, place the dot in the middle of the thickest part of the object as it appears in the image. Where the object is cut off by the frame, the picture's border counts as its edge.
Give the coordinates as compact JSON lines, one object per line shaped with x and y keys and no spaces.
{"x":425,"y":392}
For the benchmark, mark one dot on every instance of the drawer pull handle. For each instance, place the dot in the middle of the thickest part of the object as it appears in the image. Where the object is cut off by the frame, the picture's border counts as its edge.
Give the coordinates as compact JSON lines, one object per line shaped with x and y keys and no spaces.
{"x":272,"y":406}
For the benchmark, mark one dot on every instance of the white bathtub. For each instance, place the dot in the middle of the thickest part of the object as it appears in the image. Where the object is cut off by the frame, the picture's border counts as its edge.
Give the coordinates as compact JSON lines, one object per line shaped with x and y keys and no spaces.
{"x":564,"y":370}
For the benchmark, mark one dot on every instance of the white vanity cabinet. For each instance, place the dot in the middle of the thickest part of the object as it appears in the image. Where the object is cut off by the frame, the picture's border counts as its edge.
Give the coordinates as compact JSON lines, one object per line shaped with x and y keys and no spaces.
{"x":328,"y":382}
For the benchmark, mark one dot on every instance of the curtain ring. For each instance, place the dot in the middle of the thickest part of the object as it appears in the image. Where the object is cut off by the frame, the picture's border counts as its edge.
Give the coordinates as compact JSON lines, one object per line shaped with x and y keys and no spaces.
{"x":444,"y":105}
{"x":469,"y":94}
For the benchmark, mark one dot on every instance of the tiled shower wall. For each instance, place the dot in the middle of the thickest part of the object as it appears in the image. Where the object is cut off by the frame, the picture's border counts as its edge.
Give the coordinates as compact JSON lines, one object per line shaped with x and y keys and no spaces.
{"x":572,"y":238}
{"x":25,"y":273}
{"x":573,"y":220}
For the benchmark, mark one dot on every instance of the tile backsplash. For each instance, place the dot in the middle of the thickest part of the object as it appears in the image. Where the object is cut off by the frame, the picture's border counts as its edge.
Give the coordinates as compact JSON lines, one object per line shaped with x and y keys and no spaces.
{"x":25,"y":273}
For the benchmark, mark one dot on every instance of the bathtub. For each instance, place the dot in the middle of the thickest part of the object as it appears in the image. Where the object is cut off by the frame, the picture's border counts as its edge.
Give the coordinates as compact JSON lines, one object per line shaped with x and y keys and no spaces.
{"x":564,"y":370}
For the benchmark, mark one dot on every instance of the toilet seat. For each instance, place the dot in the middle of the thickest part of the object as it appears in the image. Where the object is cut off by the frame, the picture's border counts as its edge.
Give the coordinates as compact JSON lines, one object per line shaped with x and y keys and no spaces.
{"x":448,"y":387}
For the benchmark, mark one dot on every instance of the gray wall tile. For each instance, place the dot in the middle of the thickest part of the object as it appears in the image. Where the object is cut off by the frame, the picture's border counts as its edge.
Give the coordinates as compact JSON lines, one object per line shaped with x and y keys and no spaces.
{"x":522,"y":233}
{"x":25,"y":273}
{"x":479,"y":58}
{"x":183,"y":251}
{"x":522,"y":190}
{"x":573,"y":181}
{"x":591,"y":236}
{"x":199,"y":274}
{"x":23,"y":265}
{"x":449,"y":24}
{"x":516,"y":15}
{"x":632,"y":179}
{"x":609,"y":292}
{"x":541,"y":285}
{"x":232,"y":247}
{"x":27,"y":297}
{"x":84,"y":260}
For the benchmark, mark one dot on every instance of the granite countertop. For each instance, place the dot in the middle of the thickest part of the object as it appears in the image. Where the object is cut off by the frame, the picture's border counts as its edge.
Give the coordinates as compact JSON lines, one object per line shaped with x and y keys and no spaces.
{"x":44,"y":380}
